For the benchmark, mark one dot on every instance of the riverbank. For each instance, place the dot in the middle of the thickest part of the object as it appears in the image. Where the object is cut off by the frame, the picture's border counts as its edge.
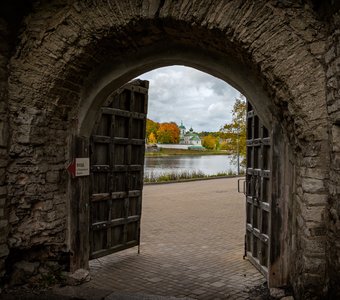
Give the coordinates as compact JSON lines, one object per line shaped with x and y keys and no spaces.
{"x":171,"y":177}
{"x":212,"y":177}
{"x":170,"y":152}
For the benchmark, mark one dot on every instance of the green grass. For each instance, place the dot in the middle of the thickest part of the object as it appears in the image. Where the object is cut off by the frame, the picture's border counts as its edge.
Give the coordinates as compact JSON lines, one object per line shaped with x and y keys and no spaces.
{"x":168,"y":152}
{"x":186,"y":175}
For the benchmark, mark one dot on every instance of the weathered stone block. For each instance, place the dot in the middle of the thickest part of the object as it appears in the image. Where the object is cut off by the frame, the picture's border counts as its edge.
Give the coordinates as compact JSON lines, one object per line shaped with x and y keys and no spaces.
{"x":52,"y":176}
{"x":312,"y":185}
{"x":317,"y":48}
{"x":315,"y":199}
{"x":311,"y":162}
{"x":336,"y":138}
{"x":332,"y":83}
{"x":78,"y":277}
{"x":330,"y":55}
{"x":336,"y":65}
{"x":316,"y":230}
{"x":315,"y":173}
{"x":313,"y":213}
{"x":13,"y":218}
{"x":314,"y":245}
{"x":43,"y":205}
{"x":277,"y":293}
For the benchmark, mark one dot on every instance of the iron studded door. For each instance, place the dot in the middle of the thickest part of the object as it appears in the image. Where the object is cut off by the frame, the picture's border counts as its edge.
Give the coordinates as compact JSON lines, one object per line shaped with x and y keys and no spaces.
{"x":257,"y":192}
{"x":117,"y":161}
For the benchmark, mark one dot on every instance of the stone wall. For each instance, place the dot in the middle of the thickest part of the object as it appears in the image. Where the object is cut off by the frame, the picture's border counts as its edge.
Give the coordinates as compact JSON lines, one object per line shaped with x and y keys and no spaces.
{"x":4,"y":57}
{"x":36,"y":178}
{"x":332,"y":62}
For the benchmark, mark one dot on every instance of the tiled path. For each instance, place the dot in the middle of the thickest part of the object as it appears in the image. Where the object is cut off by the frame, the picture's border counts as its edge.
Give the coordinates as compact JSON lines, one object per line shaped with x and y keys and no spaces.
{"x":192,"y":245}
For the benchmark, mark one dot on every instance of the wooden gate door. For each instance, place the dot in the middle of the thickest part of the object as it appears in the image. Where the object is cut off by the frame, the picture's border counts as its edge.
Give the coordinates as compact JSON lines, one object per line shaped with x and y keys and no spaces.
{"x":257,"y":192}
{"x":117,"y":161}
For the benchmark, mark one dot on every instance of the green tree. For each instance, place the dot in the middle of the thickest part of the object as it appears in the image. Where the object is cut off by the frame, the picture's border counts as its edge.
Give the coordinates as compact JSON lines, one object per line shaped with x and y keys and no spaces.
{"x":235,"y":131}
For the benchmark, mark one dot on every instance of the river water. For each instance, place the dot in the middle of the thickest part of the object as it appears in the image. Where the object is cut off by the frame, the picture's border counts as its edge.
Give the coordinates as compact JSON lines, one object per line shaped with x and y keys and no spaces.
{"x":206,"y":164}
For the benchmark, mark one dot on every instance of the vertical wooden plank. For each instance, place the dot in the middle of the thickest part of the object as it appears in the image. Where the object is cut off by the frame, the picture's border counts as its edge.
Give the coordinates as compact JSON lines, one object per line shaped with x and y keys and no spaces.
{"x":280,"y":193}
{"x":91,"y":183}
{"x":110,"y":179}
{"x":140,"y":202}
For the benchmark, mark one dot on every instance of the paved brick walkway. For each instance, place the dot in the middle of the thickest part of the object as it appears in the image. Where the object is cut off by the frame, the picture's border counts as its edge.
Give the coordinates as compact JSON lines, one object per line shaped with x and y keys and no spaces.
{"x":192,"y":245}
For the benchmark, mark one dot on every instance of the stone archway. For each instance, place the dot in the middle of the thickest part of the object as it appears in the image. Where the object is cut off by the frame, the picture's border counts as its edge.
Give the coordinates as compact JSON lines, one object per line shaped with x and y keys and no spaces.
{"x":62,"y":71}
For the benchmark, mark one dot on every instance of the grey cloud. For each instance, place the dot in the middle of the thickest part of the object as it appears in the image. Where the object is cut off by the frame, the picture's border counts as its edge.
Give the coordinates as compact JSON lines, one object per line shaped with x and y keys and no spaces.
{"x":180,"y":93}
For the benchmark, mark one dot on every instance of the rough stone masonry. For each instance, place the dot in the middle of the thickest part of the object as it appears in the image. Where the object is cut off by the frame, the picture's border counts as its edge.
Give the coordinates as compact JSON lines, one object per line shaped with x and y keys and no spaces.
{"x":58,"y":58}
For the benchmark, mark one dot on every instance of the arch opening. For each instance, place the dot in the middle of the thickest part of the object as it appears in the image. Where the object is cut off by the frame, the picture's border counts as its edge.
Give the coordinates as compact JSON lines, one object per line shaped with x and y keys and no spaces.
{"x":115,"y":74}
{"x":123,"y":259}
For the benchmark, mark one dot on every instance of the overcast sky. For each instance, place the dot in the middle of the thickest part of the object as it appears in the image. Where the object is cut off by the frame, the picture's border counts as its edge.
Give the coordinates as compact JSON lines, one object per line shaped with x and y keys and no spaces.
{"x":180,"y":93}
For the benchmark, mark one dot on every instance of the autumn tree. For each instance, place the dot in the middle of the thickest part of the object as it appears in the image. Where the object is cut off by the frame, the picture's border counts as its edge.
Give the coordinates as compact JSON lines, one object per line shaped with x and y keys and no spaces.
{"x":151,"y":127}
{"x":152,"y":138}
{"x":209,"y":142}
{"x":168,"y":133}
{"x":235,"y":131}
{"x":225,"y":146}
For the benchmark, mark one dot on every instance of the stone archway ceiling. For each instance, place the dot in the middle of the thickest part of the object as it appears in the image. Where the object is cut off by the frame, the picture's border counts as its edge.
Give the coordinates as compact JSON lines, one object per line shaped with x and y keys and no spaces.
{"x":271,"y":43}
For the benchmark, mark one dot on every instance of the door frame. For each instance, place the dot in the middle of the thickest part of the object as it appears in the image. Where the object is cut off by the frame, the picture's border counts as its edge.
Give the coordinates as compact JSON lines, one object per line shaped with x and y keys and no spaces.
{"x":78,"y":208}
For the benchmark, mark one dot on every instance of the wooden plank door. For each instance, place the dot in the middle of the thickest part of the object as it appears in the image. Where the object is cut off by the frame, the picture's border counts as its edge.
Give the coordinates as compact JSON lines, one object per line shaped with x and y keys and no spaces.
{"x":117,"y":162}
{"x":257,"y":192}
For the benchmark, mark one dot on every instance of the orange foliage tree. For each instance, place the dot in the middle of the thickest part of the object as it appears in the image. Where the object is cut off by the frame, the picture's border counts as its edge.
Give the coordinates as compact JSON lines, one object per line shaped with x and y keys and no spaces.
{"x":168,"y":133}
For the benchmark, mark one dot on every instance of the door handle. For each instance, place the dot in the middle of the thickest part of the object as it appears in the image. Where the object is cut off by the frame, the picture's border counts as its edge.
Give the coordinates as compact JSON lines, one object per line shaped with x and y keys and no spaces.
{"x":243,"y":186}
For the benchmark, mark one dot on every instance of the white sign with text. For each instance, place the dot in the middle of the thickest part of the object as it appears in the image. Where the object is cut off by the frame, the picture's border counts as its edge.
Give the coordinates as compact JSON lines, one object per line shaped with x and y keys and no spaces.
{"x":82,"y":167}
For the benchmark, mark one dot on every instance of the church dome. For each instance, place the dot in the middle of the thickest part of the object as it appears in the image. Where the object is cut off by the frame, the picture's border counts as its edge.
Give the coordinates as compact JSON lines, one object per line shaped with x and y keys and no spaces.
{"x":182,"y":126}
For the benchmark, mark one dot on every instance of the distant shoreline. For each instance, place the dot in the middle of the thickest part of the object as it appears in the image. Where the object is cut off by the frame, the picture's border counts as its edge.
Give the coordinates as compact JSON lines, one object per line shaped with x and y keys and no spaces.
{"x":193,"y":179}
{"x":171,"y":152}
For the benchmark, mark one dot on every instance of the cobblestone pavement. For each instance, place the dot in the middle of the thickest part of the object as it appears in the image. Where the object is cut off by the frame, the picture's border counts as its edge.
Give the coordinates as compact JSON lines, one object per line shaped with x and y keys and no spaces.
{"x":191,"y":245}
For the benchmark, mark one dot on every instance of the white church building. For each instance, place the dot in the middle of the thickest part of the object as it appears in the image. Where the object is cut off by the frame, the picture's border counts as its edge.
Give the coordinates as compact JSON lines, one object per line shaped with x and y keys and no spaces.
{"x":187,"y":140}
{"x":188,"y":137}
